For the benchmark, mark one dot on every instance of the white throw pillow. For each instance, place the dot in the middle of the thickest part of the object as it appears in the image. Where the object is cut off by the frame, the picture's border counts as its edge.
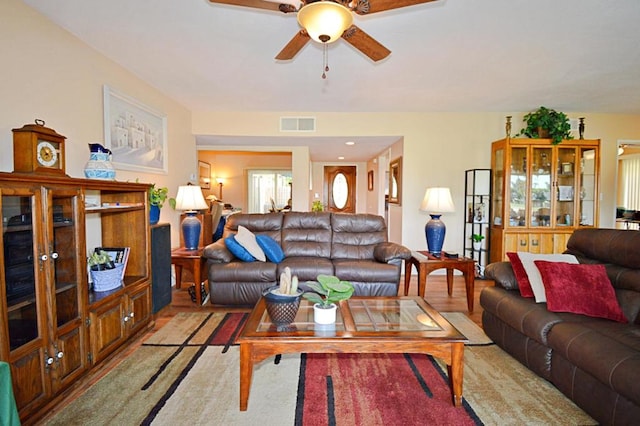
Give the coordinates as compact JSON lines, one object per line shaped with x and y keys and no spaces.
{"x":535,"y":279}
{"x":247,"y":239}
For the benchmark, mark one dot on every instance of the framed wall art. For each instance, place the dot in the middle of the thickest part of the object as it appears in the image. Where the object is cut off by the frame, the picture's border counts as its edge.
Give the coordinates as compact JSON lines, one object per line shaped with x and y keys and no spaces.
{"x":135,"y":133}
{"x":395,"y":181}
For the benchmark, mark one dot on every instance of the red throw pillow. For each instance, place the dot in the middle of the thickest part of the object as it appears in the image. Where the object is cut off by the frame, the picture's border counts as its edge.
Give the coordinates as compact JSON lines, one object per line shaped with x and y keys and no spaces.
{"x":579,"y":289}
{"x":521,"y":275}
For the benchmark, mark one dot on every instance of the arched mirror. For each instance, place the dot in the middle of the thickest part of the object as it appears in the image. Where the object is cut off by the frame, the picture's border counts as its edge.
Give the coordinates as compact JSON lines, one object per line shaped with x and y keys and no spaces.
{"x":395,"y":181}
{"x":340,"y":190}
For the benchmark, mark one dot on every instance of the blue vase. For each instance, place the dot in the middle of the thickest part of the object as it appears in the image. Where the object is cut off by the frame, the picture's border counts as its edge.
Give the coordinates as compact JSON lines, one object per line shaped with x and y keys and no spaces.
{"x":435,"y":231}
{"x":154,"y":214}
{"x":191,"y":230}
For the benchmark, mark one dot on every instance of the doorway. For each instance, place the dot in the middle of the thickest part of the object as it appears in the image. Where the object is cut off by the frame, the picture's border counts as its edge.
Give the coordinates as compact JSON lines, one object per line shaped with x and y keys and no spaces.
{"x":627,"y":183}
{"x":340,"y":188}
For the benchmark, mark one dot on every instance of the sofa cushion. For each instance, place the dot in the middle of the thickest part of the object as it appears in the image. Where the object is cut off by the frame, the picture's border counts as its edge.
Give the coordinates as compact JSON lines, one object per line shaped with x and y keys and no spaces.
{"x":580,"y":289}
{"x":247,"y":239}
{"x":365,"y":271}
{"x":271,"y":248}
{"x":521,"y":275}
{"x":306,"y":234}
{"x":239,"y":271}
{"x":356,"y":236}
{"x":307,"y":268}
{"x":237,"y":250}
{"x":533,"y":274}
{"x":608,"y":351}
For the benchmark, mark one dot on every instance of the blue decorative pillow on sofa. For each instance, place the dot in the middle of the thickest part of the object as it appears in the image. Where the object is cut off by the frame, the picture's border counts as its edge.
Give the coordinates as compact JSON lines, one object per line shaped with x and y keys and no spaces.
{"x":271,"y":248}
{"x":237,"y":250}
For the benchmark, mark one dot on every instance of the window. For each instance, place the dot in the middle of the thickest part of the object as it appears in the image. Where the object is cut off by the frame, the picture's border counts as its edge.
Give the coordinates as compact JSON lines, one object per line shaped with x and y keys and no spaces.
{"x":268,"y":187}
{"x":630,"y":182}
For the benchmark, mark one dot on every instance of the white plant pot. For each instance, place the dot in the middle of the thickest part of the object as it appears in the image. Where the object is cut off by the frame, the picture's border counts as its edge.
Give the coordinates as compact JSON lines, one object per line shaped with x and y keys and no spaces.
{"x":324,"y":315}
{"x":477,"y":246}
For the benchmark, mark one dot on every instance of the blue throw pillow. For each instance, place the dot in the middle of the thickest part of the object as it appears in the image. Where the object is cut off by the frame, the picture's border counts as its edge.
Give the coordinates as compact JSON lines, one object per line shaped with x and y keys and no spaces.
{"x":237,"y":250}
{"x":271,"y":248}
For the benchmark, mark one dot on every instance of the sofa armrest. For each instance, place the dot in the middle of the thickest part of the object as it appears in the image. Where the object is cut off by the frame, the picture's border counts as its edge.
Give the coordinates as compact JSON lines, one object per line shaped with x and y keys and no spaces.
{"x":388,"y":252}
{"x":502,"y":274}
{"x":217,"y":252}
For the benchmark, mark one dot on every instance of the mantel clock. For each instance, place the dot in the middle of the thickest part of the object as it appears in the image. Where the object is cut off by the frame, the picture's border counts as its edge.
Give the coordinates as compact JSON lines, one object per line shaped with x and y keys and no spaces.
{"x":38,"y":149}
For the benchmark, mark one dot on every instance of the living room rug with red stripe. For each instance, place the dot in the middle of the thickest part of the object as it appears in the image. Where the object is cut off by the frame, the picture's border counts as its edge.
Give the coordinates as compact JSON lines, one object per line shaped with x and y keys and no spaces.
{"x":187,"y":372}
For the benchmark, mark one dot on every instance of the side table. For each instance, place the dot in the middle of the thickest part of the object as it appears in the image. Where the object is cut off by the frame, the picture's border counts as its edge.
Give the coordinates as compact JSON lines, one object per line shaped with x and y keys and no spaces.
{"x":193,"y":261}
{"x":426,"y":263}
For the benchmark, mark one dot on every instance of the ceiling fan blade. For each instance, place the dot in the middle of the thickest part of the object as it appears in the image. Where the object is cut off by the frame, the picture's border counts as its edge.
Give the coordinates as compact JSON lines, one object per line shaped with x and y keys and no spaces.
{"x":294,"y":46}
{"x":373,"y":6}
{"x":365,"y":43}
{"x":257,"y":4}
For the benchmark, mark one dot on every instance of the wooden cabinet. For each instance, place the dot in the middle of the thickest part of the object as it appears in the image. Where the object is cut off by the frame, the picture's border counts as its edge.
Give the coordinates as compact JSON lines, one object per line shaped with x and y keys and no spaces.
{"x":52,"y":325}
{"x":541,"y":193}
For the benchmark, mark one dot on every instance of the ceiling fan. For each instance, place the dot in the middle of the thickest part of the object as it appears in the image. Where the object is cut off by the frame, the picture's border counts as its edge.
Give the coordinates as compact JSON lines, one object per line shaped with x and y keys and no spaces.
{"x":310,"y":13}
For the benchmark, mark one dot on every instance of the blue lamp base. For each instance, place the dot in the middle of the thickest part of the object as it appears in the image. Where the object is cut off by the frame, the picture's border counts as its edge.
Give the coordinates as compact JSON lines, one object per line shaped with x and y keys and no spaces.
{"x":191,"y":230}
{"x":434,"y":231}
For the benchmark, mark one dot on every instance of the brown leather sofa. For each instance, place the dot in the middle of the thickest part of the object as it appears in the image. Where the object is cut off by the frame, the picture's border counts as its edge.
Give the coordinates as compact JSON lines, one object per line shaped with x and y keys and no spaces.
{"x":353,"y":247}
{"x":595,"y":362}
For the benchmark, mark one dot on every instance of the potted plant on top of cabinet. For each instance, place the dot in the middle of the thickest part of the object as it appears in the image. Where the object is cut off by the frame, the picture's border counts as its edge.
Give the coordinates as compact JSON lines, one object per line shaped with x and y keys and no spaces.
{"x":547,"y":123}
{"x":157,"y":198}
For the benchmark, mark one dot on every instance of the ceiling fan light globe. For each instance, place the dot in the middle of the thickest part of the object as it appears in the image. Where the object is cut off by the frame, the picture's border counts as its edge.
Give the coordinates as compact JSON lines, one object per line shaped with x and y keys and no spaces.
{"x":324,"y":19}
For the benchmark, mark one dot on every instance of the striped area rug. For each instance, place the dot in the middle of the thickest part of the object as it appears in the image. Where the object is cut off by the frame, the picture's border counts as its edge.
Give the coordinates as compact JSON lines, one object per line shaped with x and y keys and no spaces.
{"x":188,"y":373}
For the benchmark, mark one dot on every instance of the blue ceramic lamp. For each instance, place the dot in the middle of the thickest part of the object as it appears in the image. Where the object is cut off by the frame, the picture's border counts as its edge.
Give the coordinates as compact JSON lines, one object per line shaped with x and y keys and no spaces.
{"x":190,"y":199}
{"x":435,"y":202}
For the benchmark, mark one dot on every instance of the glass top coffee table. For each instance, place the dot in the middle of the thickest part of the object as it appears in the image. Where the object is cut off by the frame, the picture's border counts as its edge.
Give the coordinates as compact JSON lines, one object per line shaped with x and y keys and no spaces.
{"x":363,"y":325}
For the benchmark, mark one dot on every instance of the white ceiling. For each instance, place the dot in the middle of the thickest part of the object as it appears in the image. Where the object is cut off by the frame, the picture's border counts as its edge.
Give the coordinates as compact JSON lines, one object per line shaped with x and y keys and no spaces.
{"x":447,"y":55}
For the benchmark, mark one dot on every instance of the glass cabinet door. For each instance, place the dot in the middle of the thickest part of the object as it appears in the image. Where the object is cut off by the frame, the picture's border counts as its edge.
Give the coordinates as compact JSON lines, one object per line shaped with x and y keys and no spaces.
{"x":62,"y":253}
{"x":587,"y":186}
{"x":497,"y":187}
{"x":566,"y":181}
{"x":518,"y":187}
{"x":541,"y":168}
{"x":20,"y":268}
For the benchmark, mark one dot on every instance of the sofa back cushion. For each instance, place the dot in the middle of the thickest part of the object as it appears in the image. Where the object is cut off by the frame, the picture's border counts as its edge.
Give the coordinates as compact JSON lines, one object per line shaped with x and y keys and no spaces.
{"x":356,"y":235}
{"x":260,"y":224}
{"x":306,"y":234}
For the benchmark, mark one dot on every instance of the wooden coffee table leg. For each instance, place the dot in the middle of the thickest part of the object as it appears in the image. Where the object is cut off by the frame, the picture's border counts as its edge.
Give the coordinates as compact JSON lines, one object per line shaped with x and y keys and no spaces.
{"x":456,"y":370}
{"x":246,"y":373}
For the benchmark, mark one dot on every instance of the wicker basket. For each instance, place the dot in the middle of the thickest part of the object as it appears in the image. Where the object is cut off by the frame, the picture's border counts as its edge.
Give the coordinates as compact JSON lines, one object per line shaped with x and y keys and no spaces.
{"x":107,"y":279}
{"x":282,"y":309}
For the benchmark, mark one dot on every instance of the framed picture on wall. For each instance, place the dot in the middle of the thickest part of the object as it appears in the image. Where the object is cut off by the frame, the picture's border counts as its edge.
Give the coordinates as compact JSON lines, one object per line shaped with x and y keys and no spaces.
{"x":135,"y":133}
{"x":204,"y":173}
{"x":370,"y":180}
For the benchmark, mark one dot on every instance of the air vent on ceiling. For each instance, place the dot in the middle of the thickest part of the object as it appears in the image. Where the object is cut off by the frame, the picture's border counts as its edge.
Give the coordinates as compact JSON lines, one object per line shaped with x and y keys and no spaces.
{"x":297,"y":124}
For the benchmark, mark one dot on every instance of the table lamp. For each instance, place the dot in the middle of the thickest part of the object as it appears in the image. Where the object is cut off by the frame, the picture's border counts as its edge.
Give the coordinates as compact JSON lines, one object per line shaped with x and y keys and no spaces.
{"x":190,"y":199}
{"x":435,"y":202}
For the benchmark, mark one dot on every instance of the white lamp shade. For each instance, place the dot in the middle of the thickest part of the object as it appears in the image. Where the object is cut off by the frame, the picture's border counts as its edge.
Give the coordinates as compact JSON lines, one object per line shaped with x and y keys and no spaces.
{"x":437,"y":200}
{"x":324,"y":19}
{"x":190,"y":198}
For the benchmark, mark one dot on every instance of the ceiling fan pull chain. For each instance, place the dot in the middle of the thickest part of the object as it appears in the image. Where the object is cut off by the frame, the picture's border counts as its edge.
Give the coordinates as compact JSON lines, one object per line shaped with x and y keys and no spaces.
{"x":325,"y":60}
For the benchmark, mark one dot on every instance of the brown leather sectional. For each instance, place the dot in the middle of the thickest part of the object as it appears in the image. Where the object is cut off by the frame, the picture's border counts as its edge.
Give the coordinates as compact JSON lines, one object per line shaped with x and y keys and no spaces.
{"x":354,"y":247}
{"x":595,"y":362}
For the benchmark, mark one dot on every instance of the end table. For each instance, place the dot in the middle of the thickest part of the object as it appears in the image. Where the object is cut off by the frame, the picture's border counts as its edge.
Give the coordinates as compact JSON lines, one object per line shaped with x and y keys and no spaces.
{"x":193,"y":261}
{"x":426,"y":263}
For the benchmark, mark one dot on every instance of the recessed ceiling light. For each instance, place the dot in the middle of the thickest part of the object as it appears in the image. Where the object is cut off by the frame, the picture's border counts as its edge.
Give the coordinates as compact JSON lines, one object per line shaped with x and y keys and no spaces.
{"x":341,"y":158}
{"x":350,"y":143}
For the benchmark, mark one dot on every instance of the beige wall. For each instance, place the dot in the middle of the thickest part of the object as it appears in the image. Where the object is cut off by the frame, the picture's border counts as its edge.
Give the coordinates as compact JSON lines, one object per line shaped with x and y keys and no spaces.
{"x":49,"y":74}
{"x":232,"y":166}
{"x":437,"y":148}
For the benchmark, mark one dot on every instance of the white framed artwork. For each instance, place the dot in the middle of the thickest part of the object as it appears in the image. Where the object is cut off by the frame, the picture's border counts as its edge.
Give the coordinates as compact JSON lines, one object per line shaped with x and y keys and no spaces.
{"x":135,"y":133}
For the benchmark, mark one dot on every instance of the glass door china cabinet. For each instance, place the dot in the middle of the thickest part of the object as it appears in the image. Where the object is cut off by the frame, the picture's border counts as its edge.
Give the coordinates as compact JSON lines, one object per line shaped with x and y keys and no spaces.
{"x":541,"y":193}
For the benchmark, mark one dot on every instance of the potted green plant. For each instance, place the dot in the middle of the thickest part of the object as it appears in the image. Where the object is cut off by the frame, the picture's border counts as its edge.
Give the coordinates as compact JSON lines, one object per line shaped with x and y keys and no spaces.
{"x":477,"y":241}
{"x":325,"y":294}
{"x":100,"y":261}
{"x":317,"y":206}
{"x":157,"y":198}
{"x":546,"y":123}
